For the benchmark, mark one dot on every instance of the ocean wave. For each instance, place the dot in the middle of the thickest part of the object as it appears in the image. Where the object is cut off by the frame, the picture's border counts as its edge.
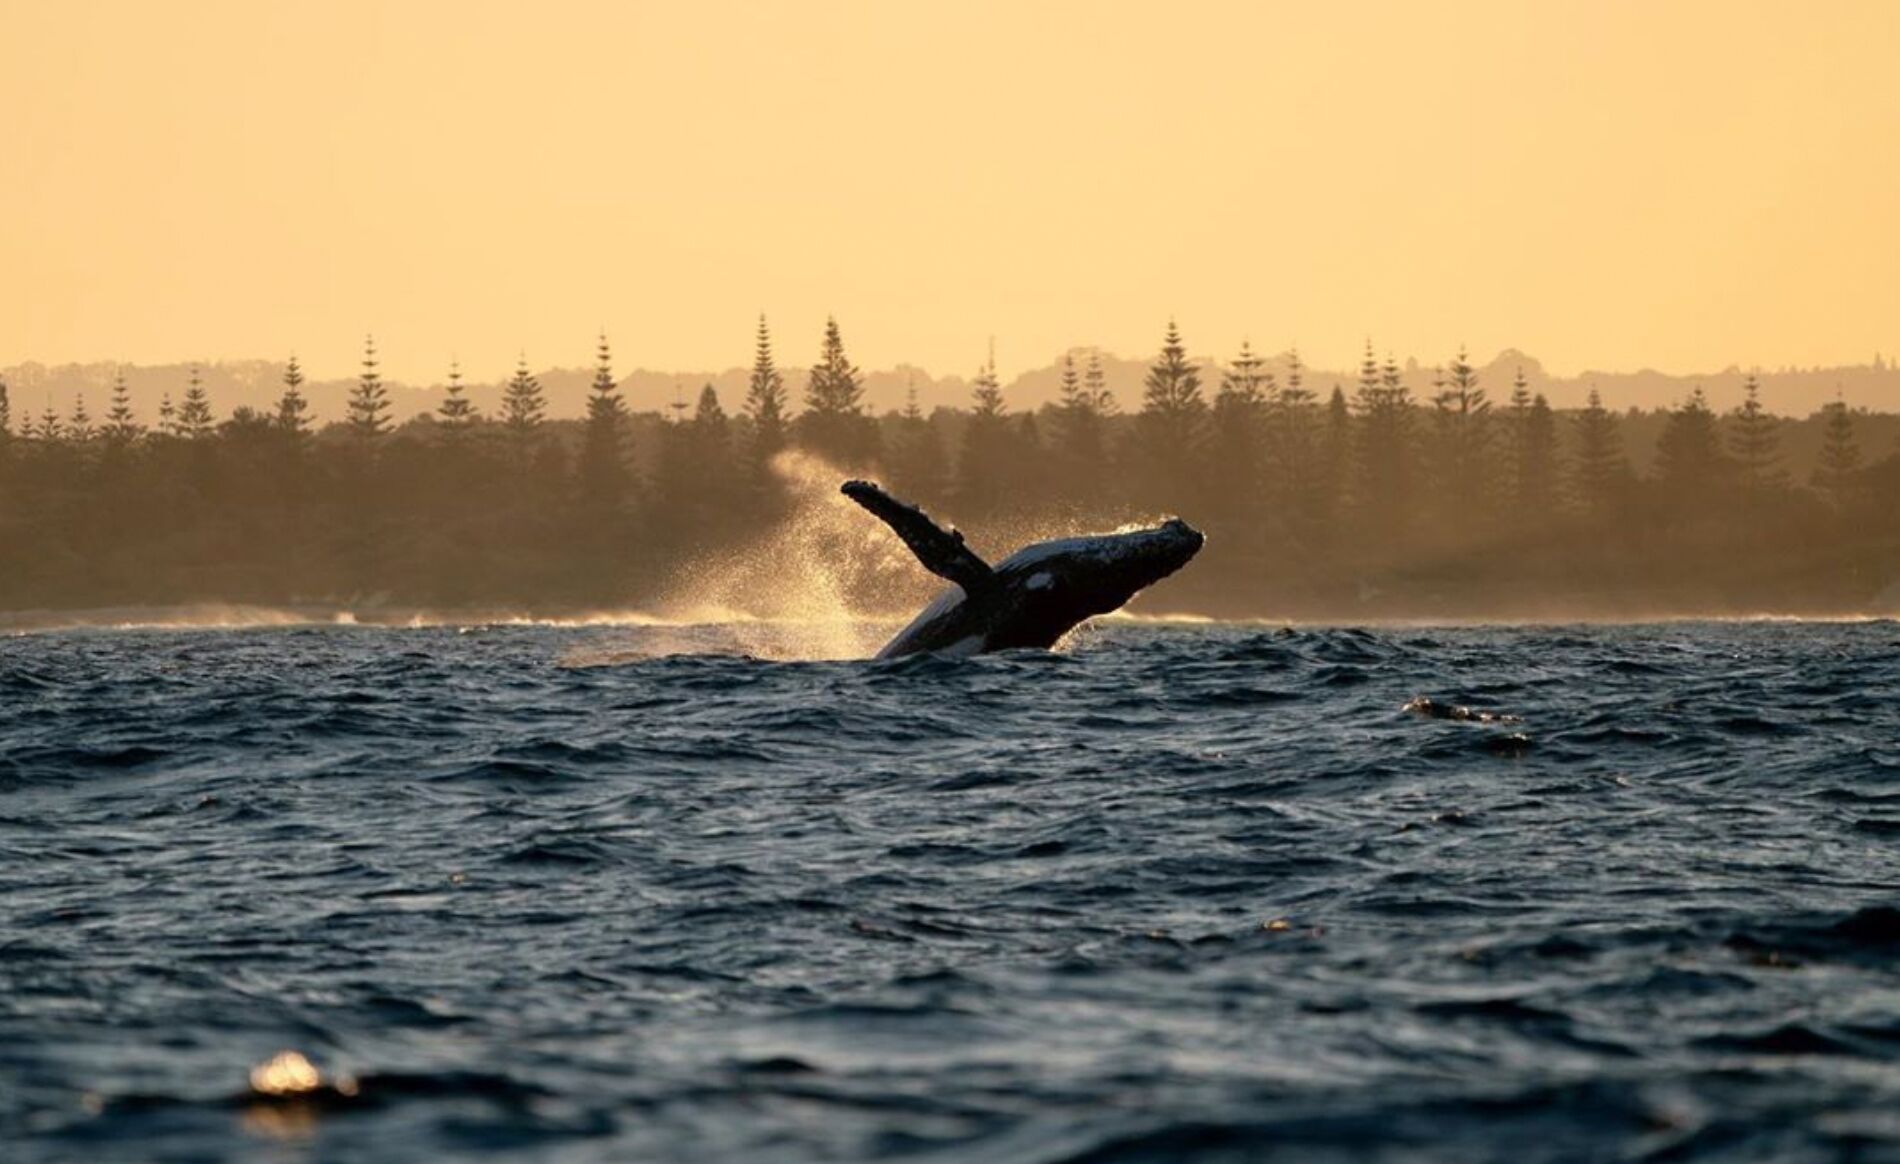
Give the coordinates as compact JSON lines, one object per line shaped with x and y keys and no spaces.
{"x":1184,"y":891}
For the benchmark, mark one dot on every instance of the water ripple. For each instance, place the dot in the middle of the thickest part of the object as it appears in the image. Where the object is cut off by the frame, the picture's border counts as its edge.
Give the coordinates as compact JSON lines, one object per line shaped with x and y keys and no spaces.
{"x":1204,"y":893}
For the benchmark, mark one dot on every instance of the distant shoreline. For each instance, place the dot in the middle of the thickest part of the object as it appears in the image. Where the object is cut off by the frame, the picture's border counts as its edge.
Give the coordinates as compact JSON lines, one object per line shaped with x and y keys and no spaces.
{"x":242,"y":616}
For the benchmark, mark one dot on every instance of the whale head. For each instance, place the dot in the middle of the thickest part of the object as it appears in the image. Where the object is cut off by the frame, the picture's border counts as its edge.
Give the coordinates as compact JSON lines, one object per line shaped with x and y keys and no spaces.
{"x":1132,"y":562}
{"x":1060,"y":583}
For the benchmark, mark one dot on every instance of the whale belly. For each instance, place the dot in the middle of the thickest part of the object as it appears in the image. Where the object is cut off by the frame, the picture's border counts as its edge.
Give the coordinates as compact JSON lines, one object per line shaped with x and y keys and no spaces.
{"x":945,"y":625}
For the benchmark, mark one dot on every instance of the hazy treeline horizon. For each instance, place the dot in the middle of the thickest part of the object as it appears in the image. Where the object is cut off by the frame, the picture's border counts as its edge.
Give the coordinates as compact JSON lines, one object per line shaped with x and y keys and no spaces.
{"x":1399,"y":491}
{"x":255,"y":383}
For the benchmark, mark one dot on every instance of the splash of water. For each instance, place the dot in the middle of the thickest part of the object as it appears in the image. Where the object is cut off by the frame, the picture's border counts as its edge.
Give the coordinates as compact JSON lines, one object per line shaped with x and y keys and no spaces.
{"x":825,"y":582}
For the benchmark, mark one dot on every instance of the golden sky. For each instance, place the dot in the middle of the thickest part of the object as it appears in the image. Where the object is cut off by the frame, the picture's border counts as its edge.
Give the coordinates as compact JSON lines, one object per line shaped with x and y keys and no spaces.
{"x":1602,"y":184}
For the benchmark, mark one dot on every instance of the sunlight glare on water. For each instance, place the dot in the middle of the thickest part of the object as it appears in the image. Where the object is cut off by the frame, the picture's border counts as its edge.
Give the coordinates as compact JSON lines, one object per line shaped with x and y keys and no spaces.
{"x":285,"y":1073}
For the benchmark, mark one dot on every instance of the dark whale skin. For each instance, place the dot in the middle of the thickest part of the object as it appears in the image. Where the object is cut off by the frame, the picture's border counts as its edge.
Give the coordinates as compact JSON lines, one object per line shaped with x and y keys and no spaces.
{"x":1031,"y":598}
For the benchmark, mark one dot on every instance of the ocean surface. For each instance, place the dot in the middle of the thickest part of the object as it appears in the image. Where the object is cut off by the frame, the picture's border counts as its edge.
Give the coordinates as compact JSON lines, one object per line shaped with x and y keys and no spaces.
{"x":1178,"y":892}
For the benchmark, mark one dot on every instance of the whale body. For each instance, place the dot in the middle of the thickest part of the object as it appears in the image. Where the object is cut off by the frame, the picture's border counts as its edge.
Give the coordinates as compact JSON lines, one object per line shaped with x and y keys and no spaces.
{"x":1031,"y":598}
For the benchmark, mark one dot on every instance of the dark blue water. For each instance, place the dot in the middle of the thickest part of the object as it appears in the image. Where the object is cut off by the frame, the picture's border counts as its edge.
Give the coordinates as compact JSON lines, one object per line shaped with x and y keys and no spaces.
{"x":1183,"y":893}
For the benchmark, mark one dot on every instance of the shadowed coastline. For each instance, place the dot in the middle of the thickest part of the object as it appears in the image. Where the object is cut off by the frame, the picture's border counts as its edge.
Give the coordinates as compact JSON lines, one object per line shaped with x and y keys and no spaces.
{"x":1402,"y":494}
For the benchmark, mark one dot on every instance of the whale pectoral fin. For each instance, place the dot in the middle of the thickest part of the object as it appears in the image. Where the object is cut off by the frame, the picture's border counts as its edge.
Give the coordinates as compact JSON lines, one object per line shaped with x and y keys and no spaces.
{"x":941,"y":551}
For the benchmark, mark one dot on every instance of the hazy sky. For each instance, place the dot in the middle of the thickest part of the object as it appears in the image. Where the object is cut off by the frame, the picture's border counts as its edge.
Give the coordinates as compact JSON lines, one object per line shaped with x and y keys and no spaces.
{"x":1607,"y":185}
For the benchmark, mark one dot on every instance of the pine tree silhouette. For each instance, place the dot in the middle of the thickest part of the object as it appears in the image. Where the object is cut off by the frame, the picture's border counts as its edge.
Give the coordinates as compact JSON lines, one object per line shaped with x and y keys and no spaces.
{"x":1332,"y":492}
{"x":920,"y":470}
{"x":712,"y":446}
{"x":1837,"y":470}
{"x":1237,"y":446}
{"x":1171,"y":393}
{"x":1689,"y":460}
{"x":1754,"y":442}
{"x":1095,"y":383}
{"x":1082,"y":448}
{"x":765,"y":400}
{"x":50,"y":431}
{"x":1069,"y":390}
{"x":1520,"y":394}
{"x":1383,"y":476}
{"x":1538,"y":468}
{"x":1461,"y":443}
{"x":692,"y":488}
{"x":523,"y":409}
{"x":603,"y":441}
{"x":79,"y":425}
{"x":1171,"y":429}
{"x":1028,"y":464}
{"x":291,"y":406}
{"x":368,"y":413}
{"x":986,"y":394}
{"x":1292,"y":439}
{"x":1532,"y":431}
{"x":457,"y":411}
{"x":122,"y":428}
{"x":985,"y":473}
{"x":834,"y":425}
{"x":194,"y":416}
{"x":1601,"y":470}
{"x":716,"y":489}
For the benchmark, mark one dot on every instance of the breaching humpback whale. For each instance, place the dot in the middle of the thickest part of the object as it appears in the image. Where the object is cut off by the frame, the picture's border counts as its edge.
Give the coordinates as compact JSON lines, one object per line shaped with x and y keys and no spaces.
{"x":1031,"y":598}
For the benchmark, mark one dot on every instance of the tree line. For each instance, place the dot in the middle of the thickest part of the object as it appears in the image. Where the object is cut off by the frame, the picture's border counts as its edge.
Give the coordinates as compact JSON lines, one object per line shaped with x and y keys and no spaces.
{"x":1378,"y":497}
